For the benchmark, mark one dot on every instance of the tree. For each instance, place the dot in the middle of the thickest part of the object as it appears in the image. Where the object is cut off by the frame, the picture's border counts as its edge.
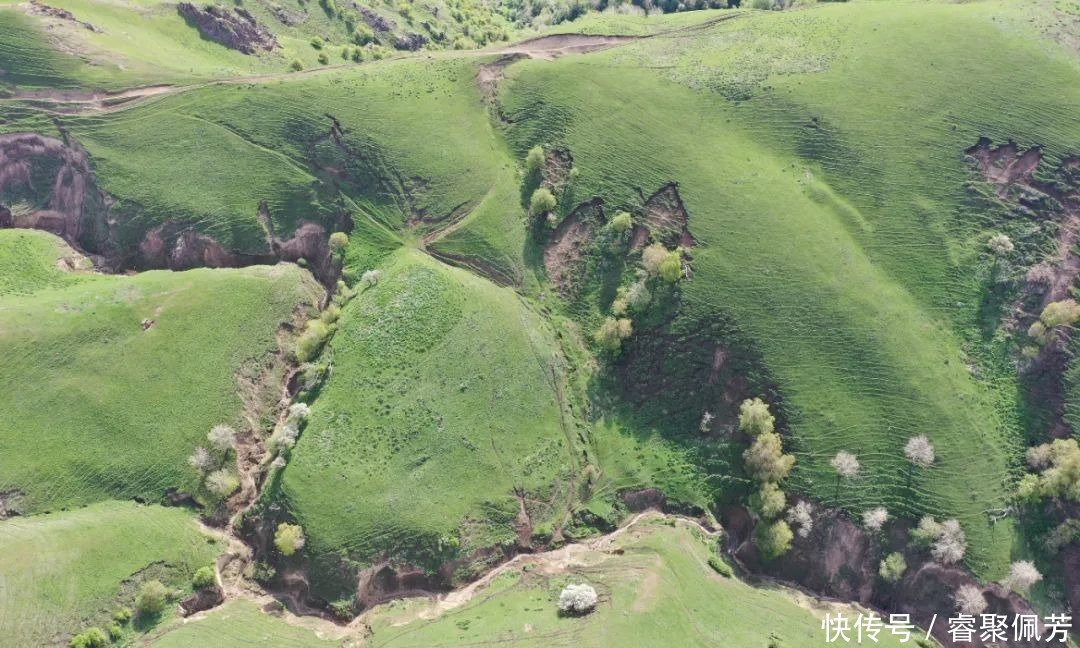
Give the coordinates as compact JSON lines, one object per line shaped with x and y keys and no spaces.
{"x":765,"y":458}
{"x":920,"y":451}
{"x":1022,"y":575}
{"x":151,"y":599}
{"x":652,"y":257}
{"x":706,"y":422}
{"x":875,"y":518}
{"x":638,"y":296}
{"x":622,"y":222}
{"x":892,"y":568}
{"x":289,"y":538}
{"x":755,"y":418}
{"x":773,"y":539}
{"x":577,"y":599}
{"x":201,"y":460}
{"x":768,"y":501}
{"x":1000,"y":245}
{"x":222,"y":482}
{"x":970,"y":600}
{"x":222,"y":437}
{"x":671,"y":269}
{"x":1060,"y":313}
{"x":542,"y":202}
{"x":1059,"y":463}
{"x":802,"y":516}
{"x":299,"y":412}
{"x":90,"y":638}
{"x":846,"y":464}
{"x":338,"y":242}
{"x":612,"y":332}
{"x":946,"y":540}
{"x":370,"y":277}
{"x":534,"y":162}
{"x":204,"y":577}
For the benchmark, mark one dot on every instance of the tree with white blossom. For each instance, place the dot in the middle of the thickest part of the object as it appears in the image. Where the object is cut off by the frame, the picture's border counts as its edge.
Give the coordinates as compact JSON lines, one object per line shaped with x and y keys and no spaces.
{"x":1022,"y":575}
{"x":222,"y":437}
{"x":970,"y":600}
{"x":577,"y":599}
{"x":875,"y":518}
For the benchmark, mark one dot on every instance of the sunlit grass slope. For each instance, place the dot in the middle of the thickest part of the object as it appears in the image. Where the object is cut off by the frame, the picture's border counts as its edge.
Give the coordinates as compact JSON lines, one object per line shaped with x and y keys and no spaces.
{"x":64,"y":572}
{"x":820,"y":156}
{"x":444,"y":406}
{"x":239,"y":624}
{"x":96,"y":406}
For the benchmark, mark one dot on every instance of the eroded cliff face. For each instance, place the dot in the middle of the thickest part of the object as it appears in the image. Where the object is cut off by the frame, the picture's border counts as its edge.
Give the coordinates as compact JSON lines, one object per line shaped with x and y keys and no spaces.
{"x":48,"y":183}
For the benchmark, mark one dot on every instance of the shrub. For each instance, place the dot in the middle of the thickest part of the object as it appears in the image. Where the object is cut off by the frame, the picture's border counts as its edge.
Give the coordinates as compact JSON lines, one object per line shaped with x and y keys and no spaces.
{"x":122,"y":615}
{"x":802,"y":516}
{"x":201,"y":460}
{"x":289,"y":538}
{"x":920,"y":451}
{"x":296,"y":65}
{"x":1000,"y":245}
{"x":363,"y":35}
{"x":769,"y":501}
{"x":357,"y":54}
{"x":338,"y":242}
{"x":330,"y":314}
{"x":892,"y":568}
{"x":773,"y":539}
{"x":317,"y":43}
{"x":720,"y":567}
{"x":755,"y":418}
{"x":534,"y":161}
{"x":765,"y":458}
{"x":222,"y":482}
{"x":542,"y":202}
{"x":577,"y":599}
{"x":151,"y":599}
{"x":1022,"y":575}
{"x":204,"y":577}
{"x":652,"y":257}
{"x":311,"y":340}
{"x":1060,"y":313}
{"x":622,"y":222}
{"x":299,"y":412}
{"x":875,"y":518}
{"x":946,"y":539}
{"x":846,"y":464}
{"x":638,"y":296}
{"x":323,"y":58}
{"x":970,"y":600}
{"x":1059,"y":462}
{"x":90,"y":638}
{"x":345,"y":52}
{"x":612,"y":332}
{"x":221,"y":437}
{"x":115,"y":632}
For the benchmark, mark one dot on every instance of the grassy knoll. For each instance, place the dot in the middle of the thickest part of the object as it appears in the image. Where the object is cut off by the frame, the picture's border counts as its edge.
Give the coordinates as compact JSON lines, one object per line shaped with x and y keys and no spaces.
{"x":97,"y":406}
{"x":444,"y":402}
{"x":835,"y":226}
{"x":656,"y":589}
{"x":238,"y":624}
{"x":64,"y":572}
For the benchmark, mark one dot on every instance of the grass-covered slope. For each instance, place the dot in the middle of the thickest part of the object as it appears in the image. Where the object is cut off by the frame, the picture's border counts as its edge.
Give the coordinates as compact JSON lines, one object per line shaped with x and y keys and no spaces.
{"x":833,"y":221}
{"x":239,"y":624}
{"x":99,"y":406}
{"x":64,"y":572}
{"x":444,"y":406}
{"x":655,"y":587}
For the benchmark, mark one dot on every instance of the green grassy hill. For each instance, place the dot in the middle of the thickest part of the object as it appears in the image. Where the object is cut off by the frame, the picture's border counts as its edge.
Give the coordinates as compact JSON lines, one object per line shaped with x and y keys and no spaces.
{"x":69,"y":571}
{"x":100,"y":408}
{"x":444,"y":409}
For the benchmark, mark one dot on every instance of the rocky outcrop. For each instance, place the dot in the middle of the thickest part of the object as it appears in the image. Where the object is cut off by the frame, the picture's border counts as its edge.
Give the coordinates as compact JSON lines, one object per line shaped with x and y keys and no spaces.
{"x":42,"y":9}
{"x":202,"y":600}
{"x":410,"y":41}
{"x":236,"y":29}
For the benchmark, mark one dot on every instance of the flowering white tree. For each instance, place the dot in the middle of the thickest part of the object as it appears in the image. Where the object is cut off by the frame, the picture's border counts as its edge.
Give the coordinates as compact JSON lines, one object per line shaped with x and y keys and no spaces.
{"x":1022,"y":575}
{"x":298,"y":412}
{"x":222,"y":482}
{"x":222,"y":437}
{"x":875,"y":518}
{"x":801,"y":516}
{"x":1000,"y":244}
{"x":970,"y":600}
{"x":846,"y":464}
{"x":371,"y":277}
{"x":951,"y":543}
{"x":706,"y":421}
{"x":577,"y":599}
{"x":920,"y":451}
{"x":201,"y":460}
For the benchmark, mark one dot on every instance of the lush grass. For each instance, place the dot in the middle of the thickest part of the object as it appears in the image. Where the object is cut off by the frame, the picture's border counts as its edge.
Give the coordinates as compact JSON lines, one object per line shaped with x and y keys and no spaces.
{"x":96,"y":406}
{"x":868,"y":324}
{"x":238,"y":624}
{"x":444,"y":402}
{"x":656,"y":589}
{"x":64,"y":572}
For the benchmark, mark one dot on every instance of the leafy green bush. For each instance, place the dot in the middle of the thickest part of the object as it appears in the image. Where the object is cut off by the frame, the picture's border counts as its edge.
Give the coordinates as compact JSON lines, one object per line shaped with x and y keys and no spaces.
{"x":773,"y":539}
{"x":363,"y":35}
{"x":622,"y":222}
{"x":315,"y":334}
{"x":296,"y":65}
{"x":317,"y":42}
{"x":289,"y":538}
{"x":612,"y":332}
{"x":323,"y":58}
{"x":151,"y":599}
{"x":534,"y":160}
{"x":542,"y":202}
{"x":769,"y":501}
{"x":90,"y":638}
{"x":720,"y":567}
{"x":122,"y":615}
{"x":204,"y":577}
{"x":115,"y":632}
{"x":892,"y":568}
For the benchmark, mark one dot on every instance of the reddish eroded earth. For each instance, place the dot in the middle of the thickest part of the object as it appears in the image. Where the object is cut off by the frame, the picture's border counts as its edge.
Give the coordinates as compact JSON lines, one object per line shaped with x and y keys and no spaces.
{"x":666,"y":219}
{"x":236,"y":29}
{"x":564,"y":255}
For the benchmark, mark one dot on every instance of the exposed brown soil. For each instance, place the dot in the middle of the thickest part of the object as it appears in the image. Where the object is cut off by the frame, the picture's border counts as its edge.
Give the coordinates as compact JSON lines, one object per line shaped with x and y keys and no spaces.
{"x":666,"y":218}
{"x":557,"y":165}
{"x":202,"y":600}
{"x":236,"y":29}
{"x":564,"y":255}
{"x":11,"y":503}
